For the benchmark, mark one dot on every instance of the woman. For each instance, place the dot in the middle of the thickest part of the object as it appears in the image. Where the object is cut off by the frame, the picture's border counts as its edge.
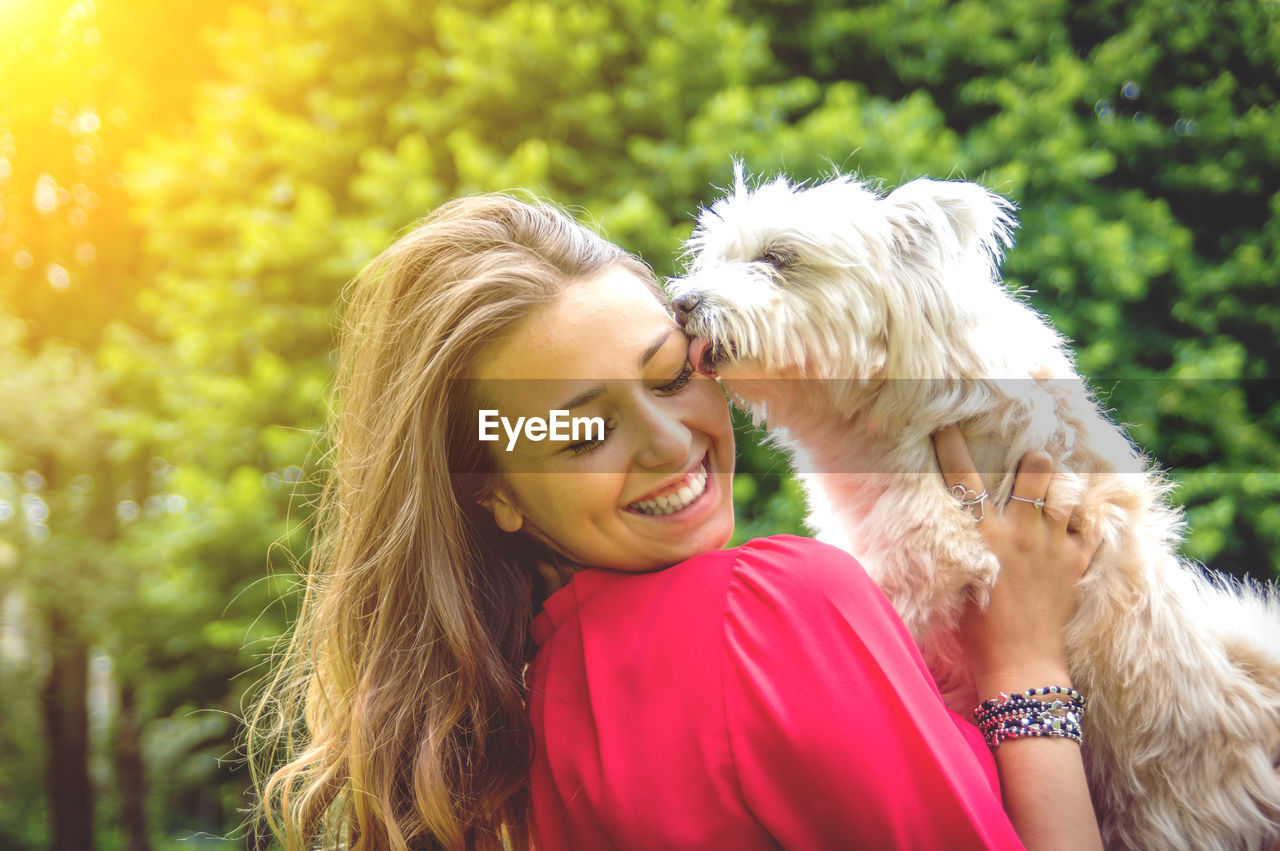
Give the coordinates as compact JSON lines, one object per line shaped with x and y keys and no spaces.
{"x":679,"y":695}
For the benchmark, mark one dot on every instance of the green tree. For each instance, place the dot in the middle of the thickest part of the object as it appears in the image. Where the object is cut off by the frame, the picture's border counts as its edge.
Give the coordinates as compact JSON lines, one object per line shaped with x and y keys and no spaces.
{"x":81,"y":483}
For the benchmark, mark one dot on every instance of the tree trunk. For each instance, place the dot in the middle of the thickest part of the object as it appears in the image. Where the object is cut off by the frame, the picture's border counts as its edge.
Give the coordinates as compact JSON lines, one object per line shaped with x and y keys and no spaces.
{"x":130,"y":772}
{"x":66,"y":718}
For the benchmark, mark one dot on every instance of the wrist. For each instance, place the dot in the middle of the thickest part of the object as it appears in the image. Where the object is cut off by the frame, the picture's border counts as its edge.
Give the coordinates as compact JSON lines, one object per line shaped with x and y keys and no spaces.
{"x":1017,"y":678}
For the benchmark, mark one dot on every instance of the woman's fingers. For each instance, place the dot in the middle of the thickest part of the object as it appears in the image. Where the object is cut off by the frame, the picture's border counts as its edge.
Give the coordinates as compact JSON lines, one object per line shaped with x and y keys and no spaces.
{"x":1041,"y":498}
{"x":958,"y":470}
{"x":1033,"y":501}
{"x":1031,"y":484}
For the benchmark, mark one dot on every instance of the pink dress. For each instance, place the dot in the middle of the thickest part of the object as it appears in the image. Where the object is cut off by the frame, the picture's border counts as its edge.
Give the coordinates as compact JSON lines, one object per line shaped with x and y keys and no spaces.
{"x":761,"y":697}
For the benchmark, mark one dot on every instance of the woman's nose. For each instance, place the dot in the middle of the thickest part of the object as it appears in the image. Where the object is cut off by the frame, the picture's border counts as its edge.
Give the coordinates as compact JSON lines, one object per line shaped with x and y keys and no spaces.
{"x":666,"y":439}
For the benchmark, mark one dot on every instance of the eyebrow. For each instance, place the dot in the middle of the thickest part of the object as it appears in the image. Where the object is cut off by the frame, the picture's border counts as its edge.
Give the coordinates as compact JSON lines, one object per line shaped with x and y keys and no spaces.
{"x":582,"y":398}
{"x":593,"y":392}
{"x":657,"y":344}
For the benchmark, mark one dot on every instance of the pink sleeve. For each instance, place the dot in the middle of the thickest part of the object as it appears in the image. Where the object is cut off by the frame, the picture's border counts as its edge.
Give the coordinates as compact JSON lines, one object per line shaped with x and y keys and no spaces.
{"x":838,"y":734}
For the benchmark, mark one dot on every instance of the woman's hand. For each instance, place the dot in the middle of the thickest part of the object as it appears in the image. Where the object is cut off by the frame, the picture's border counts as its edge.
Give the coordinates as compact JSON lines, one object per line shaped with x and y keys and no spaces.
{"x":1017,"y":643}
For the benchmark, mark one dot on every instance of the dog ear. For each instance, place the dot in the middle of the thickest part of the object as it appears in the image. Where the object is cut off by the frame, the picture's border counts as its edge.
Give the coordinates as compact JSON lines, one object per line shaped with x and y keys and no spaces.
{"x":946,"y":239}
{"x":952,"y":218}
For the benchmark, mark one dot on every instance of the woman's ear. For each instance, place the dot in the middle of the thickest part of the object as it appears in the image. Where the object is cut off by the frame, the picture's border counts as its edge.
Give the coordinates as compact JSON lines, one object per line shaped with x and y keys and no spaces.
{"x":498,"y":502}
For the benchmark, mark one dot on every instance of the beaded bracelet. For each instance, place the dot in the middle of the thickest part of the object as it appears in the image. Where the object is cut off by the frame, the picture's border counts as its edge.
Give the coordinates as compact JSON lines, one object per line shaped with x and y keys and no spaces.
{"x":1030,"y":694}
{"x":1021,"y":715}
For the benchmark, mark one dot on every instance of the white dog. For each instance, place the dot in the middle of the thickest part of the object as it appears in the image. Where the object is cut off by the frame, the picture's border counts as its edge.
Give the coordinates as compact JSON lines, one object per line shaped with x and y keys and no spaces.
{"x":855,"y":325}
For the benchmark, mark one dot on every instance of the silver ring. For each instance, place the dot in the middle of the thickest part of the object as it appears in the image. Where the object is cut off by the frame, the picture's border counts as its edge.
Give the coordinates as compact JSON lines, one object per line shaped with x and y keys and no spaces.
{"x":1038,"y":502}
{"x":971,"y":501}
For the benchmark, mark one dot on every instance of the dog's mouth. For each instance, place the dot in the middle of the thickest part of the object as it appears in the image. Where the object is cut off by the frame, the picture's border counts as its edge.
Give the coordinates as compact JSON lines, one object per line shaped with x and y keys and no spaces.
{"x":706,"y":355}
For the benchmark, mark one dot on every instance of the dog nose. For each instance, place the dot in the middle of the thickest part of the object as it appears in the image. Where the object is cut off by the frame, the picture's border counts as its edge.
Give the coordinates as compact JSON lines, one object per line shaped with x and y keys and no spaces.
{"x":685,"y":305}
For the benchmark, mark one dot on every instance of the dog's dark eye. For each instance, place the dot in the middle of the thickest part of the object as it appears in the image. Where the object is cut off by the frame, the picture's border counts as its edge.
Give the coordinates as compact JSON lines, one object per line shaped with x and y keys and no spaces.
{"x":777,"y":257}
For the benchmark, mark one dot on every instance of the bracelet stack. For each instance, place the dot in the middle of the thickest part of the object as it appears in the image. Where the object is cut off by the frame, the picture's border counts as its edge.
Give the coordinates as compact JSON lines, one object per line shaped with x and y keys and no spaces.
{"x":1025,"y":714}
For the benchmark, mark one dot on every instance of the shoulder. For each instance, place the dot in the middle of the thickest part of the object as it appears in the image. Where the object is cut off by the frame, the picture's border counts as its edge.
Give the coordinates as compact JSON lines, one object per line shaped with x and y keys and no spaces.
{"x":785,"y":604}
{"x":795,"y":564}
{"x":804,"y":562}
{"x":796,"y":570}
{"x":778,"y":583}
{"x":798,"y":611}
{"x":781,"y":576}
{"x":789,"y":546}
{"x":781,"y":572}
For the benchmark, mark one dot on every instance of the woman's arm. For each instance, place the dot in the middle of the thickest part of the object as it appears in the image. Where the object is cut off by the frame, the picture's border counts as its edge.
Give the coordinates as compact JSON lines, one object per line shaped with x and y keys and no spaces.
{"x":1017,"y":643}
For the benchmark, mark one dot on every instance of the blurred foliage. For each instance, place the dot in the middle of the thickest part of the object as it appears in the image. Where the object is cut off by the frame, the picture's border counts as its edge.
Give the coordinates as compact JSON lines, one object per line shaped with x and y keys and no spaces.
{"x":184,"y":188}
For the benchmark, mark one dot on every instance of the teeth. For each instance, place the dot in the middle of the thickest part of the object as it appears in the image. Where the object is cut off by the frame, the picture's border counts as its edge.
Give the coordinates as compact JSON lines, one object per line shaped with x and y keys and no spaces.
{"x":671,"y":503}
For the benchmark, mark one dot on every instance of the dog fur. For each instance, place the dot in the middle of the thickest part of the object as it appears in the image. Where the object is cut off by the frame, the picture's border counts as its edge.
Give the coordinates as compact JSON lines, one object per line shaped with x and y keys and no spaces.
{"x":853,"y":325}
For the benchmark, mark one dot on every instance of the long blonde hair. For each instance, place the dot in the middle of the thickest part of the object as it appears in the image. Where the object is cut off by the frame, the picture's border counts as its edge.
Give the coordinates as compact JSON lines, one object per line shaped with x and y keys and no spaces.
{"x":394,"y":718}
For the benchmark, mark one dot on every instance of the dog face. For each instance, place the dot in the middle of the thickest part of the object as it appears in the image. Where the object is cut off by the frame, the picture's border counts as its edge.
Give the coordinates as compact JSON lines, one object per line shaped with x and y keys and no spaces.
{"x":836,"y":281}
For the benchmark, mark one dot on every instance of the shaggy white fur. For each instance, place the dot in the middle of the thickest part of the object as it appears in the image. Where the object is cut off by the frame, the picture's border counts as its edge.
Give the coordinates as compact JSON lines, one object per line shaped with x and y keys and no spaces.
{"x":854,"y":325}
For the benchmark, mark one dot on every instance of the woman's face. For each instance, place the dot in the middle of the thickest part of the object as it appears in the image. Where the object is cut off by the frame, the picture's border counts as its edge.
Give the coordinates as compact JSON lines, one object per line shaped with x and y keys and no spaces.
{"x":656,"y":489}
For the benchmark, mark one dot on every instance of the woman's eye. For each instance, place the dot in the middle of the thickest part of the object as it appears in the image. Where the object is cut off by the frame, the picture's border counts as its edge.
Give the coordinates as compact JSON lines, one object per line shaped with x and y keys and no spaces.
{"x":678,"y":383}
{"x":582,"y":447}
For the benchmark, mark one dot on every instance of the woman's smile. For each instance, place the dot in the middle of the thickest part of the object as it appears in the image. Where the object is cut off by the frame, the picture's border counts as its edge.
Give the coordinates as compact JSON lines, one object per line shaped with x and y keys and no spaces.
{"x":676,"y":497}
